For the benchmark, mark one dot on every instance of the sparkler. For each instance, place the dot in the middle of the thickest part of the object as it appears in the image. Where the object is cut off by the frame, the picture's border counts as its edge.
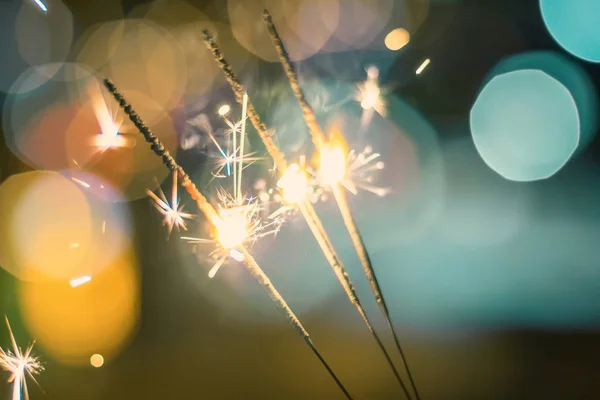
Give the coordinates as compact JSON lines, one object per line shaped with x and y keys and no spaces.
{"x":20,"y":365}
{"x":354,"y":171}
{"x":294,"y":180}
{"x":173,"y":215}
{"x":242,"y":224}
{"x":334,"y":154}
{"x":220,"y":226}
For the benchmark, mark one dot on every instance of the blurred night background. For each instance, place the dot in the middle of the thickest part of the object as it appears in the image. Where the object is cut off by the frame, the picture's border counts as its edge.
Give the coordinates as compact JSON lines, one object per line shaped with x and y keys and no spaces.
{"x":486,"y":246}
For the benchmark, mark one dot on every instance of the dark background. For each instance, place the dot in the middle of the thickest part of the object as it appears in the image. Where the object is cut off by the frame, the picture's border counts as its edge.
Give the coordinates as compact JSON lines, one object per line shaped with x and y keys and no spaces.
{"x":185,"y":348}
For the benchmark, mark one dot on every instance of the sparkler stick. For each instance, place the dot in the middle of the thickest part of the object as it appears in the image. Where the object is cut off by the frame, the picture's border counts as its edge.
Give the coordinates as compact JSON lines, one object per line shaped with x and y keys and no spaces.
{"x":304,"y":206}
{"x":213,"y":217}
{"x":320,"y":141}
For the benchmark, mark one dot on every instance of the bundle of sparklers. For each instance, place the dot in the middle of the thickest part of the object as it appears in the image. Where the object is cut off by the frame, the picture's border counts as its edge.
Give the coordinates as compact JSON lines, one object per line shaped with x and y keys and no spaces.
{"x":237,"y":221}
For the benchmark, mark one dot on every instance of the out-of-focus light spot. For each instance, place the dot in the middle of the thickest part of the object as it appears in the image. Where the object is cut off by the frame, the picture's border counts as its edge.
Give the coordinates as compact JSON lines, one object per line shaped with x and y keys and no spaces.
{"x":163,"y":77}
{"x":37,"y":123}
{"x":82,"y":280}
{"x":294,"y":184}
{"x":43,"y":215}
{"x":32,"y":38}
{"x":99,"y":316}
{"x":97,"y":361}
{"x":305,"y":26}
{"x":41,"y":5}
{"x":236,"y":255}
{"x":423,"y":66}
{"x":397,"y":39}
{"x":224,"y":109}
{"x":574,"y":25}
{"x":47,"y":228}
{"x":525,"y":125}
{"x":567,"y":72}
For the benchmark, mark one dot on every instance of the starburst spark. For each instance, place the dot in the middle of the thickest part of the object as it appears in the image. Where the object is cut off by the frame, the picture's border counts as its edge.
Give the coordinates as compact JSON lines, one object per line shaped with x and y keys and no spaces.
{"x":238,"y":225}
{"x":173,"y":215}
{"x":354,"y":172}
{"x":20,"y":365}
{"x":110,"y":136}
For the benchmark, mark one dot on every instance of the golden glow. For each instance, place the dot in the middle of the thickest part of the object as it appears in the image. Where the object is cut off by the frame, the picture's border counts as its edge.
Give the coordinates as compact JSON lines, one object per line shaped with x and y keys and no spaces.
{"x":294,"y":184}
{"x":224,"y":110}
{"x":232,"y":230}
{"x":397,"y":39}
{"x":97,"y":317}
{"x":371,"y":96}
{"x":332,"y":167}
{"x":97,"y":360}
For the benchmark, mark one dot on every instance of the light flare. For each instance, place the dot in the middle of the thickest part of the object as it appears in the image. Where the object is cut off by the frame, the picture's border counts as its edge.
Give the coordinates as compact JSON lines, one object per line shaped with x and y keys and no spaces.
{"x":370,"y":95}
{"x":236,"y":226}
{"x":41,"y":5}
{"x":294,"y":184}
{"x":332,"y":165}
{"x":173,"y":215}
{"x":109,"y":136}
{"x":79,"y":281}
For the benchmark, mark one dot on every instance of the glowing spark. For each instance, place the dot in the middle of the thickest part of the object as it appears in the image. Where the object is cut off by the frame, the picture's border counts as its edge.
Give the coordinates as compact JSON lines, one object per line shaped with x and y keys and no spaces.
{"x":20,"y":365}
{"x":104,"y":227}
{"x":97,"y":361}
{"x":82,"y":183}
{"x":371,"y":96}
{"x":74,"y":245}
{"x":332,"y":169}
{"x":109,"y":136}
{"x":237,"y":255}
{"x":41,"y":5}
{"x":82,"y":280}
{"x":423,"y":66}
{"x":356,"y":171}
{"x":238,"y":225}
{"x":173,"y":215}
{"x":224,"y":110}
{"x":294,"y":184}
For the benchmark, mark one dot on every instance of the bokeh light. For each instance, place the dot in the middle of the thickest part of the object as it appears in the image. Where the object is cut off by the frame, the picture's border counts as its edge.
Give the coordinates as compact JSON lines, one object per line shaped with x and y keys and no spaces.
{"x":99,"y":317}
{"x":530,"y":274}
{"x":304,"y":26}
{"x":36,"y":120}
{"x":397,"y":39}
{"x":164,"y":75}
{"x":574,"y":26}
{"x":525,"y":125}
{"x":31,"y":37}
{"x":97,"y":361}
{"x":49,"y":231}
{"x":567,"y":72}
